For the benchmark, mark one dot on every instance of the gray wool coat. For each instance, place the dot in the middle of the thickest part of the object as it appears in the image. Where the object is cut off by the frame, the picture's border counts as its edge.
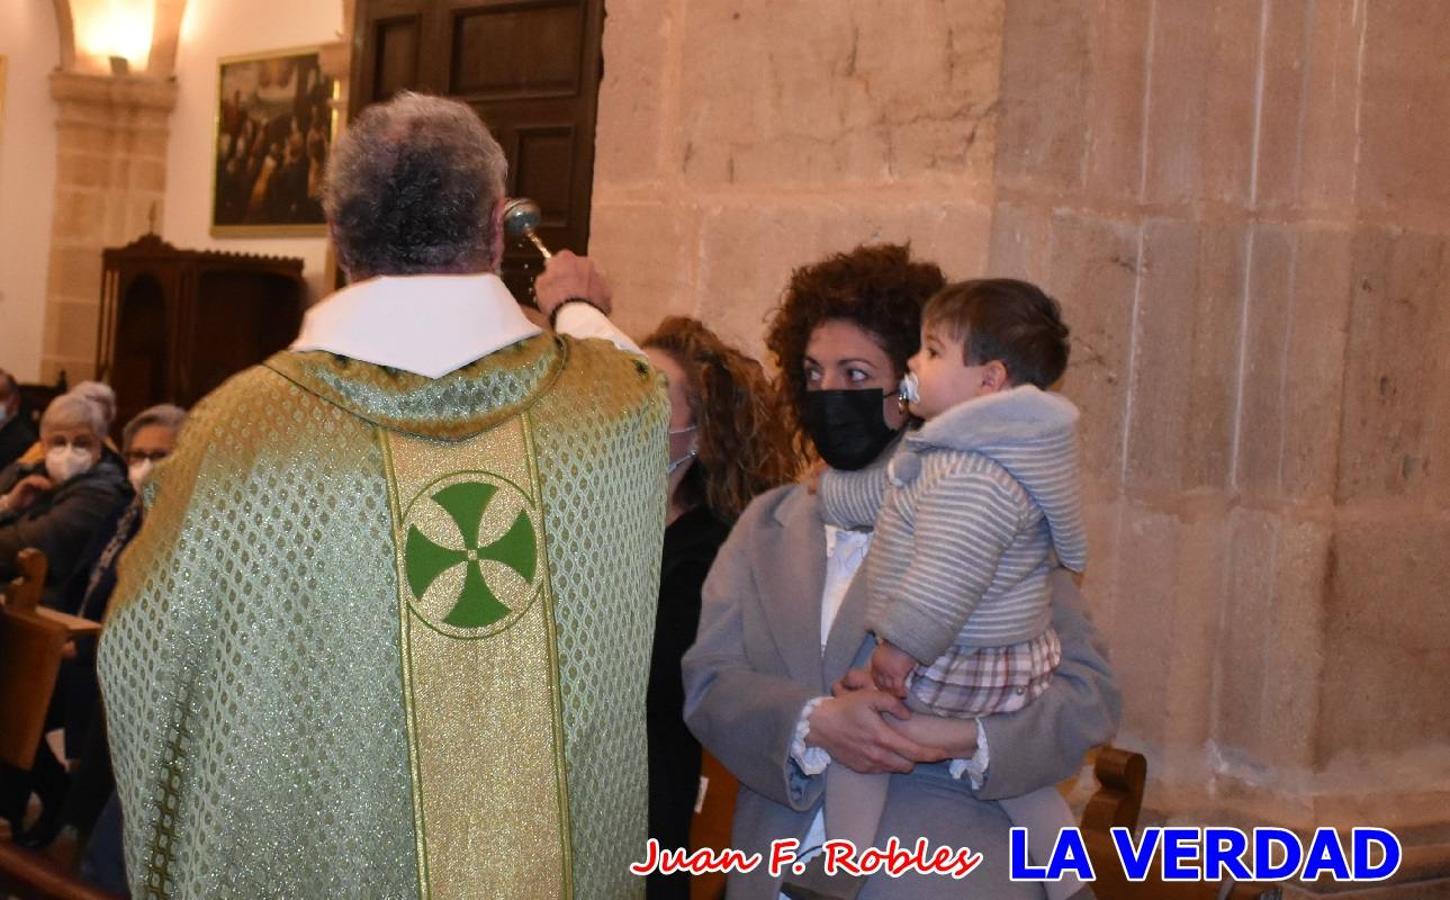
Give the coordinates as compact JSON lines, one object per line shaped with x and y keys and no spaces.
{"x":757,"y":660}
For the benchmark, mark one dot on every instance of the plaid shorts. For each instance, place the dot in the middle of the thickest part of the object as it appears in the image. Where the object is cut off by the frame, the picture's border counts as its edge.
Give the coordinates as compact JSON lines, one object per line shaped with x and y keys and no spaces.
{"x":966,"y":682}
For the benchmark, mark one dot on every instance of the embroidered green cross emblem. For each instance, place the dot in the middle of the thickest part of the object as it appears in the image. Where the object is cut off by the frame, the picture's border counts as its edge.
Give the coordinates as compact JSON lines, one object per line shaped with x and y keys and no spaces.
{"x":466,"y":502}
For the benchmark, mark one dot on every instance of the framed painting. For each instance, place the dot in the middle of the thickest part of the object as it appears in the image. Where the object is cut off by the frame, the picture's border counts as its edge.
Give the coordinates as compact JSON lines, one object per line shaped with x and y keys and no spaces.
{"x":274,"y":129}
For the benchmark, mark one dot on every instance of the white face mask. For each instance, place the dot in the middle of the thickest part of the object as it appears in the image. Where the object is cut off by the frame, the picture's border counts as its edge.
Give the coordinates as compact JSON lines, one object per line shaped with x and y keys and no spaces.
{"x":139,"y":472}
{"x":64,"y":463}
{"x":674,"y":464}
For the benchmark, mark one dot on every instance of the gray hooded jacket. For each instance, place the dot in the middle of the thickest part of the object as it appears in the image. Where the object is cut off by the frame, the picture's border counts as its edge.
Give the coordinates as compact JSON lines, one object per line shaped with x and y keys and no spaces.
{"x":969,"y":514}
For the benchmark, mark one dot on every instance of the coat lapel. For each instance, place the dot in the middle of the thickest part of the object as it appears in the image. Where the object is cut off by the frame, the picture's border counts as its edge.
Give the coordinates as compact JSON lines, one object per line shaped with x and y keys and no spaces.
{"x":793,"y":575}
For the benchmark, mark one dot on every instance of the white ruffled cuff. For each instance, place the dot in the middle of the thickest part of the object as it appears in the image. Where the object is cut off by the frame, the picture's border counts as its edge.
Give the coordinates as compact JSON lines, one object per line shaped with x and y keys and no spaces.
{"x":975,"y":768}
{"x":811,"y":760}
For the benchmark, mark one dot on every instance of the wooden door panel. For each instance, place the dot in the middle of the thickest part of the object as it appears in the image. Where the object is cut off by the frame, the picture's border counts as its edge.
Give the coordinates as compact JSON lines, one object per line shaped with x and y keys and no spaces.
{"x":543,"y":165}
{"x":396,"y":62}
{"x":529,"y":68}
{"x":517,"y":51}
{"x":391,"y":35}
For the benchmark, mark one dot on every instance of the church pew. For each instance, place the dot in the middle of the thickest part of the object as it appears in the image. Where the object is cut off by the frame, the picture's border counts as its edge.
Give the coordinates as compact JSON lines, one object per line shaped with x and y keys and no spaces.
{"x":32,"y":643}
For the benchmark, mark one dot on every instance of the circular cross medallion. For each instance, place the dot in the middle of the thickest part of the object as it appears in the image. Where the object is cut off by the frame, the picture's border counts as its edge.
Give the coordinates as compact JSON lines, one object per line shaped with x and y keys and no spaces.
{"x":471,"y":554}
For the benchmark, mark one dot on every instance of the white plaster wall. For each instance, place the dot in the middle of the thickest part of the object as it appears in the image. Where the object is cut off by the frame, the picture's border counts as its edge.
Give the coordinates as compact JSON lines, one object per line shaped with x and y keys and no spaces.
{"x":211,"y":30}
{"x":27,"y":179}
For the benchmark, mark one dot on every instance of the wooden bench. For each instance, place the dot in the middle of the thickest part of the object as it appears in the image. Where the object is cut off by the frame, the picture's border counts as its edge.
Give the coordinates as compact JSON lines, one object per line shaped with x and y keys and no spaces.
{"x":32,"y":643}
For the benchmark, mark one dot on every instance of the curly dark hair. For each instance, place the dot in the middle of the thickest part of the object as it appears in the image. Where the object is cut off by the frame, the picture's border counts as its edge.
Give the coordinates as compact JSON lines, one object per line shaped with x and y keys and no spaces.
{"x":744,"y":447}
{"x":876,"y":286}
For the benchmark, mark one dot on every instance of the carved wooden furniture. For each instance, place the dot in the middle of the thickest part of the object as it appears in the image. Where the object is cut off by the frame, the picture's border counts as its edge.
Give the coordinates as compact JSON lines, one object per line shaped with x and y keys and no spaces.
{"x":1121,"y":777}
{"x":176,"y":323}
{"x":32,"y":640}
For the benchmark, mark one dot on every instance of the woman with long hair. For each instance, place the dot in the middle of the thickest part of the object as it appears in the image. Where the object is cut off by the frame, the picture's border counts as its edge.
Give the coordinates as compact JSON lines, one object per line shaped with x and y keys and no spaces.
{"x":728,"y":443}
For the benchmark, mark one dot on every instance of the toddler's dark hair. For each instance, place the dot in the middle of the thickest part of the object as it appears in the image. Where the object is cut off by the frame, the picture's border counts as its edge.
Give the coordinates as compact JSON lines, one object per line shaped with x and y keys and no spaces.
{"x":1007,"y":320}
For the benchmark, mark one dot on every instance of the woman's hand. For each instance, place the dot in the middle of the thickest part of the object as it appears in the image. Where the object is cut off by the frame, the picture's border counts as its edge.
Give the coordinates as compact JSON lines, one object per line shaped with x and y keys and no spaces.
{"x":957,"y":738}
{"x":26,"y":491}
{"x":852,"y":729}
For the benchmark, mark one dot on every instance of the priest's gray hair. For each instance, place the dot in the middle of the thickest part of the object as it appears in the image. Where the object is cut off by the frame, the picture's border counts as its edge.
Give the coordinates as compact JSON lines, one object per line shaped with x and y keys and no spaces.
{"x":411,"y":189}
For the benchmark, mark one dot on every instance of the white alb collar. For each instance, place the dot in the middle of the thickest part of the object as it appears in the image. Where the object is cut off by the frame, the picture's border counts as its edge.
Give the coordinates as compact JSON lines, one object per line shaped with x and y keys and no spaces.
{"x":426,"y":324}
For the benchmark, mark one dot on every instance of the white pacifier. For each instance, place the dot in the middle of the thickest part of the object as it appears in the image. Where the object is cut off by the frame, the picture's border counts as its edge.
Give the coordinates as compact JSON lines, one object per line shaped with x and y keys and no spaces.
{"x":909,"y":391}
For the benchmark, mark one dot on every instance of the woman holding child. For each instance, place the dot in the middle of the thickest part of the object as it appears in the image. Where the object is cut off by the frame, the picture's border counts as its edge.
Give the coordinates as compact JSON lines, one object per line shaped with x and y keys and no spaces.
{"x":784,"y":620}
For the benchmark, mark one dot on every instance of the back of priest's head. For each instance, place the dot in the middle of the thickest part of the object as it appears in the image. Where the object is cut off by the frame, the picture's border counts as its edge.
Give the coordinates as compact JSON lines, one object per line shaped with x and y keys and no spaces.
{"x":412,"y":188}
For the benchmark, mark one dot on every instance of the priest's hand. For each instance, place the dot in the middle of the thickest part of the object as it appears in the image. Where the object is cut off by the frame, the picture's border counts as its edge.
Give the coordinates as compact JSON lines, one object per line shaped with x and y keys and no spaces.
{"x":569,"y":277}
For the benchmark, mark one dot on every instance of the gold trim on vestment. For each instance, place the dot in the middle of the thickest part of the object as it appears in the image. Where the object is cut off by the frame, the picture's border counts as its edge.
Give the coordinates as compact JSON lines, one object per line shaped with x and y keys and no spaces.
{"x":479,"y":666}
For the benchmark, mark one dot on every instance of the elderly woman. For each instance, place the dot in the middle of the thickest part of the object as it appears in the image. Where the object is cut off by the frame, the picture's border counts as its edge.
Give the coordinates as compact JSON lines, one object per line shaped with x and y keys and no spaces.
{"x":782,"y":622}
{"x":59,"y":504}
{"x":104,"y":398}
{"x":146,"y":440}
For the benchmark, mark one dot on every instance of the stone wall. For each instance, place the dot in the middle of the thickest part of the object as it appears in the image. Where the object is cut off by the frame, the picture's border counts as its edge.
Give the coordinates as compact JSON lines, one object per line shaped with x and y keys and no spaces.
{"x":738,"y":140}
{"x":27,"y":180}
{"x":110,"y":186}
{"x":1243,"y":206}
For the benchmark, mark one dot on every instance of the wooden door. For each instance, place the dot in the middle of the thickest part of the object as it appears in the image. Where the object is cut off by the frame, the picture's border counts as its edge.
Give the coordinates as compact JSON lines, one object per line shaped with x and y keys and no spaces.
{"x":529,"y":68}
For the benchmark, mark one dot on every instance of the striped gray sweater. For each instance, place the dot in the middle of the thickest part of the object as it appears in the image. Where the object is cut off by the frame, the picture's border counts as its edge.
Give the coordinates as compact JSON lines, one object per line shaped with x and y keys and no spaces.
{"x":968,"y":514}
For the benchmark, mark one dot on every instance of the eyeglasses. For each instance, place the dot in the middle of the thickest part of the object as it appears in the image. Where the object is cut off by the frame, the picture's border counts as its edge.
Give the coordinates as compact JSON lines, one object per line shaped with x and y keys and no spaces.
{"x":135,"y":456}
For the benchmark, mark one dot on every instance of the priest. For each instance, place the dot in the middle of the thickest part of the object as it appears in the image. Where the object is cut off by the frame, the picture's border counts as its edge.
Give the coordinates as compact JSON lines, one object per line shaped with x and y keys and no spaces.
{"x":387,"y":629}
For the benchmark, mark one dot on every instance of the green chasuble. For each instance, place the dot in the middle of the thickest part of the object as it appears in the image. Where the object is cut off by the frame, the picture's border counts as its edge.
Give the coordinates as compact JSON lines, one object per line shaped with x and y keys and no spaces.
{"x":388,"y":636}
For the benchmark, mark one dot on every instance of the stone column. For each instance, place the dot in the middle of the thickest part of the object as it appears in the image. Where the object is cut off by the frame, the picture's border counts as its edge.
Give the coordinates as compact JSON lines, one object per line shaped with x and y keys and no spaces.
{"x":109,"y":190}
{"x":1243,"y":205}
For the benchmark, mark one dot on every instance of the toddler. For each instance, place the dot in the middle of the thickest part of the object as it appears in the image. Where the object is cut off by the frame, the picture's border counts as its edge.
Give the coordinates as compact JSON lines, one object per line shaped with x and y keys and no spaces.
{"x":971,"y":515}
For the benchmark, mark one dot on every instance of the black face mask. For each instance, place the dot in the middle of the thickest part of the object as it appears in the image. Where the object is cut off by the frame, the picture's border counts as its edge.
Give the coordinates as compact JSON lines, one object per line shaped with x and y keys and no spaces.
{"x":848,"y":427}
